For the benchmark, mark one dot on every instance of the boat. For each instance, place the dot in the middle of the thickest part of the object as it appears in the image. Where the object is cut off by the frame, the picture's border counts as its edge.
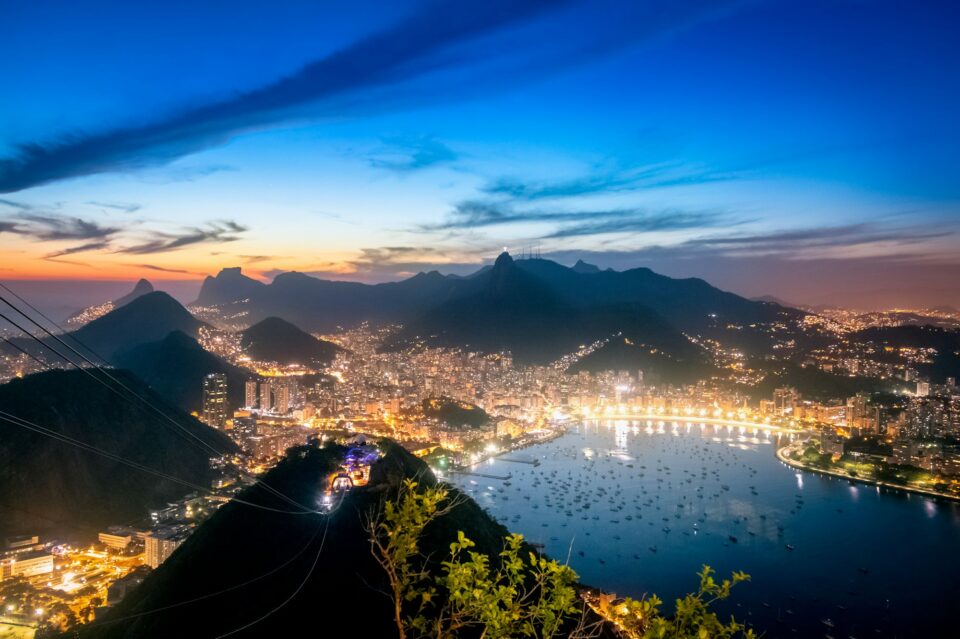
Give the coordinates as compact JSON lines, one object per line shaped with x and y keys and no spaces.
{"x":789,"y":546}
{"x":827,"y":622}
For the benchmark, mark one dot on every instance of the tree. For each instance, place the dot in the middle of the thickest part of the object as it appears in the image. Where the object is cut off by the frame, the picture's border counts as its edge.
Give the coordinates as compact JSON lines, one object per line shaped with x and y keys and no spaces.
{"x":692,"y":618}
{"x":517,"y":595}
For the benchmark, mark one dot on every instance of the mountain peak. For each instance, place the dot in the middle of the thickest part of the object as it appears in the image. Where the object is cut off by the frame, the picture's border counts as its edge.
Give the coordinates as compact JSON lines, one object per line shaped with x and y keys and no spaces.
{"x":229,"y":285}
{"x":142,"y":287}
{"x":503,"y":260}
{"x":584,"y":267}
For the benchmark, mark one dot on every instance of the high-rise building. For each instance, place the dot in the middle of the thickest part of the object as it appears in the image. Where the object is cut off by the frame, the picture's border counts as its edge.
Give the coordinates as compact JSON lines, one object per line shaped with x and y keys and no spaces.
{"x":784,"y":399}
{"x":923,"y":389}
{"x":250,"y":394}
{"x":160,"y":544}
{"x":266,"y":391}
{"x":282,"y":396}
{"x":861,"y":415}
{"x":215,"y":400}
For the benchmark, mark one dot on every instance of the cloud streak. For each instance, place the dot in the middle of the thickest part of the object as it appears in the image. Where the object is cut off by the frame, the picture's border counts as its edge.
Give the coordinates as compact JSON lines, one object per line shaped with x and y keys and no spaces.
{"x":472,"y":214}
{"x":405,"y":155}
{"x":124,"y":207}
{"x":163,"y":269}
{"x":81,"y":248}
{"x":410,"y":49}
{"x":159,"y":242}
{"x":382,"y":71}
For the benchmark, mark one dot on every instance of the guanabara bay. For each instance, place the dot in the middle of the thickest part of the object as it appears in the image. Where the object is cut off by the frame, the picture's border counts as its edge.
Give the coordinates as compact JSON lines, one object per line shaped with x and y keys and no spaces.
{"x":514,"y":319}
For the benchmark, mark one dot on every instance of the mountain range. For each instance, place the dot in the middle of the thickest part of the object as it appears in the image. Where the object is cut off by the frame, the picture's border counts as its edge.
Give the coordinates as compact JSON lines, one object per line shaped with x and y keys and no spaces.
{"x":536,"y":308}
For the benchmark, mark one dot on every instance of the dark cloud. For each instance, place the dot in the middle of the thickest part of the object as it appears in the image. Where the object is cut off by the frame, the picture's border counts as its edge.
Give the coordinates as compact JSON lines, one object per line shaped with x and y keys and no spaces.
{"x":478,"y":213}
{"x":48,"y":227}
{"x":409,"y":49}
{"x":644,"y":222}
{"x":600,"y":181}
{"x":80,"y":248}
{"x":798,"y":241}
{"x":215,"y":232}
{"x":406,"y":64}
{"x":811,"y":244}
{"x":411,"y":154}
{"x":125,"y":207}
{"x":163,"y":269}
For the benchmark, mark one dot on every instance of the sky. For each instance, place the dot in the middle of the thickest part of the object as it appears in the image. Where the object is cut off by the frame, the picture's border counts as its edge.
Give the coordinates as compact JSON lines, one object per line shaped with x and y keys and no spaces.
{"x":801,"y":149}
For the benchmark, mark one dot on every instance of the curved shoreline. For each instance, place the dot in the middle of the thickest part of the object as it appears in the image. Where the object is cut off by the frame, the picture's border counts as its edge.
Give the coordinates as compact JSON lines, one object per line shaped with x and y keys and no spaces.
{"x":861,"y":480}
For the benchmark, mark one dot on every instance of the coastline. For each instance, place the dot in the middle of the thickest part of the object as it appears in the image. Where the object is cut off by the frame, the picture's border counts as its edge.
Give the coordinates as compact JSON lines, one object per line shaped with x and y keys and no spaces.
{"x":862,"y":480}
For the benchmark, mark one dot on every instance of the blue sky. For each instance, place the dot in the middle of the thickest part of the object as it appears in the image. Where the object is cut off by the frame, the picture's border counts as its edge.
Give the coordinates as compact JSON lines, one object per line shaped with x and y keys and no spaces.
{"x":793,"y":148}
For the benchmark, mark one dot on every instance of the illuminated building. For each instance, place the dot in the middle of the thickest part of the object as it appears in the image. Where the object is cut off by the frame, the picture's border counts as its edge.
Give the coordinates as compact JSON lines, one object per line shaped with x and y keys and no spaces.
{"x":783,"y":400}
{"x":215,"y":400}
{"x":26,"y":565}
{"x":116,"y":538}
{"x":266,"y":395}
{"x":160,"y":544}
{"x":282,"y":398}
{"x":250,"y":394}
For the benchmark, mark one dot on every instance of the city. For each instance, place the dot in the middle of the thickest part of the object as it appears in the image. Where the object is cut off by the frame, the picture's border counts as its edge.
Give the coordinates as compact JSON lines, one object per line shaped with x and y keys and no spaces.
{"x":543,"y":319}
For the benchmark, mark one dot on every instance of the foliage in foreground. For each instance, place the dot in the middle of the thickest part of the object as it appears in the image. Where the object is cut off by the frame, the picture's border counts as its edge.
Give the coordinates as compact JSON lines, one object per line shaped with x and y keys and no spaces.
{"x":692,"y":618}
{"x":518,"y":593}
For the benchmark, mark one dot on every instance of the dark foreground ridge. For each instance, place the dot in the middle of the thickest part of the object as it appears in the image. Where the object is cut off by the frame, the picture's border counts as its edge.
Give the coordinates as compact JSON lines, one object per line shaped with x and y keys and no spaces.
{"x":258,"y":559}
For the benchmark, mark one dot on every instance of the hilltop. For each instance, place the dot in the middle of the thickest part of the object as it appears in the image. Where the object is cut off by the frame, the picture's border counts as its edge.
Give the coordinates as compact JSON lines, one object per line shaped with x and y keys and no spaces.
{"x":277,"y":340}
{"x":277,"y":552}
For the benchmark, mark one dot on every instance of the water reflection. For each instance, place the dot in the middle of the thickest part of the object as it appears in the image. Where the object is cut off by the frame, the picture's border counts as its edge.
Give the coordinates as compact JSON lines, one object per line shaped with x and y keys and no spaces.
{"x":645,"y":503}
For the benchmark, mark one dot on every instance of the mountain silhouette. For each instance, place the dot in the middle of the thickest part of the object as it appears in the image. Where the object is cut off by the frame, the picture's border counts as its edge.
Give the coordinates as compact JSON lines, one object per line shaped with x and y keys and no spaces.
{"x":142,"y":287}
{"x":229,"y":285}
{"x":277,"y":340}
{"x":339,"y":594}
{"x":531,"y":293}
{"x":46,"y":484}
{"x":513,"y":308}
{"x":175,"y":366}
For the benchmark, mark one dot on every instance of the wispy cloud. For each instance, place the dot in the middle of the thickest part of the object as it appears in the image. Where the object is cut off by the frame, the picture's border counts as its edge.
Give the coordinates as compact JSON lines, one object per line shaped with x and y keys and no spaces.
{"x":473,"y":214}
{"x":15,"y":205}
{"x":254,"y":259}
{"x":164,"y":269}
{"x":125,"y":207}
{"x":80,"y":248}
{"x":50,"y":227}
{"x":160,"y":242}
{"x":410,"y":154}
{"x":645,"y":222}
{"x":802,"y":241}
